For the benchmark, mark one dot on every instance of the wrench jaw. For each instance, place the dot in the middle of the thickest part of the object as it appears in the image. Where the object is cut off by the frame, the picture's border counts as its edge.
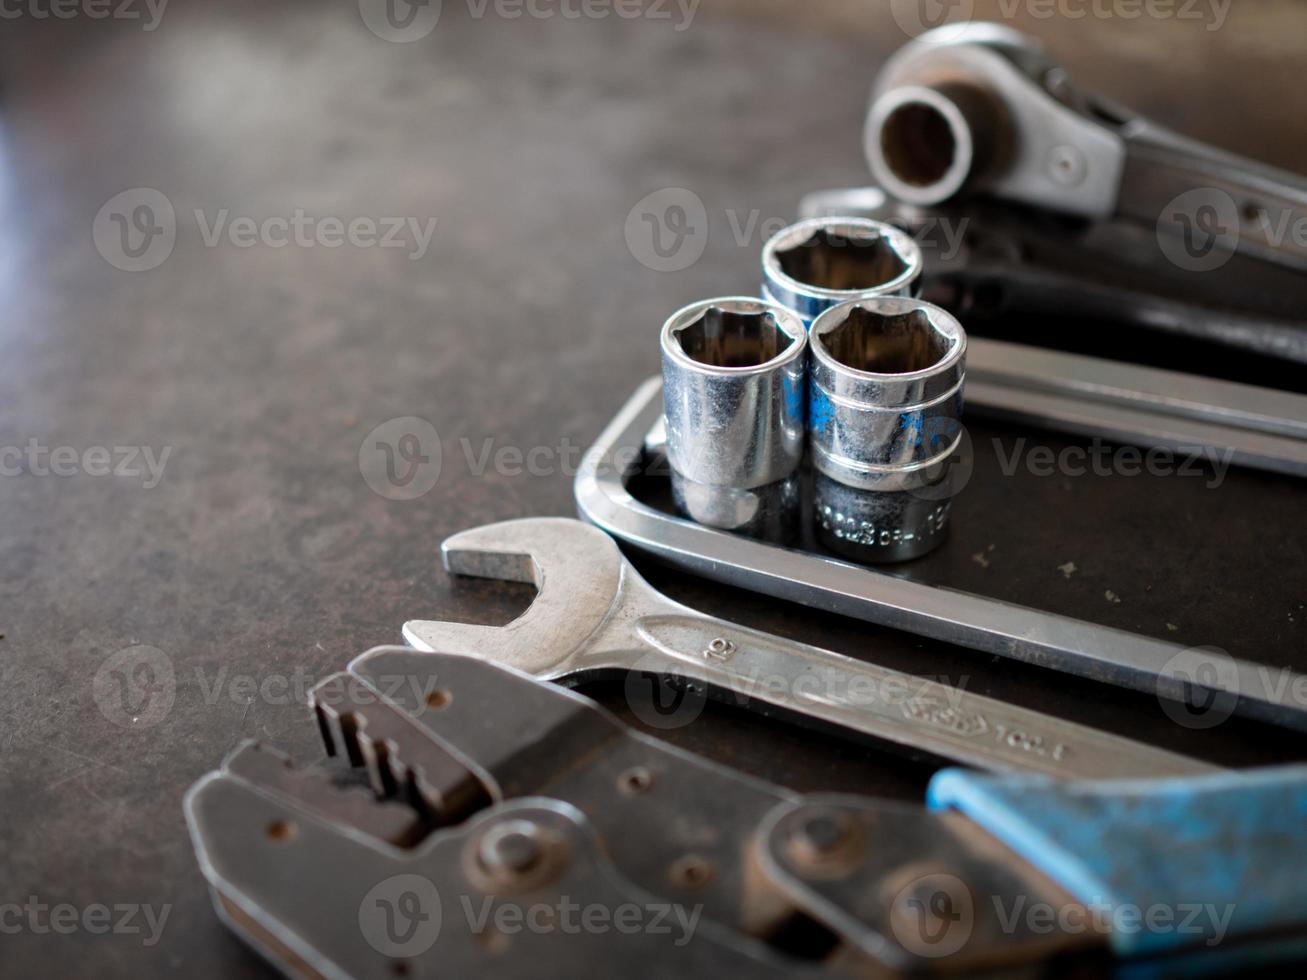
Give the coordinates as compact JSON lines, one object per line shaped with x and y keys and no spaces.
{"x":579,"y":576}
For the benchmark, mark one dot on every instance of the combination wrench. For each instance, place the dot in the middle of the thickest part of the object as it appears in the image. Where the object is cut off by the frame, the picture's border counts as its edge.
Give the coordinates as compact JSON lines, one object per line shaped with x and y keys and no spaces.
{"x":594,"y":615}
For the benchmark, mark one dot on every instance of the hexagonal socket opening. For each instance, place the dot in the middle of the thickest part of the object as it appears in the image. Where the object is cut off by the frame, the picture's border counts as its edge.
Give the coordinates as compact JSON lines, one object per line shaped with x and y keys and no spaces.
{"x":886,"y":343}
{"x":729,"y":339}
{"x":832,"y":260}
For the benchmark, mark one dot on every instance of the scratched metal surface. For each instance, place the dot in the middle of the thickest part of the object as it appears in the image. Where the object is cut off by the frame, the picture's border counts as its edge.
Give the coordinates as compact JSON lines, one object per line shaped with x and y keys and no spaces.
{"x":262,"y":560}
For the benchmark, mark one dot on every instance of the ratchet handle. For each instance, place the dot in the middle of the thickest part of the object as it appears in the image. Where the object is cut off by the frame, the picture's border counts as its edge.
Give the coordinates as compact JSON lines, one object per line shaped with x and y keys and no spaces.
{"x":1212,"y":202}
{"x":745,"y":665}
{"x":1171,"y":864}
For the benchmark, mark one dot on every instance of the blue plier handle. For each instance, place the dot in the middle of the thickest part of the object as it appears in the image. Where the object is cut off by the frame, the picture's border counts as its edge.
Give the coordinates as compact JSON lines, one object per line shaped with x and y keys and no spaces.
{"x":1219,"y":862}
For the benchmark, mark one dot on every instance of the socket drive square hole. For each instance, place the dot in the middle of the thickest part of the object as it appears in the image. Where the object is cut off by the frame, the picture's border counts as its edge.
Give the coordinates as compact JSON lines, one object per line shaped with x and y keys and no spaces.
{"x":832,"y":260}
{"x":918,"y":143}
{"x":886,"y":343}
{"x":730,"y":339}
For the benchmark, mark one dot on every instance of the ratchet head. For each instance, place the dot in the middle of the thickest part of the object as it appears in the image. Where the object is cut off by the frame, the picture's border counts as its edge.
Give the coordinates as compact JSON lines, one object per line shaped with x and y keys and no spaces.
{"x":985,"y":110}
{"x":578,"y":573}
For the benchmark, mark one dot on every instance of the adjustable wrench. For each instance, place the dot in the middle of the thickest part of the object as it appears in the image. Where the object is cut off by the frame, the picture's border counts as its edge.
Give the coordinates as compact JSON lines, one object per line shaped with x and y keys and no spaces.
{"x":594,"y":615}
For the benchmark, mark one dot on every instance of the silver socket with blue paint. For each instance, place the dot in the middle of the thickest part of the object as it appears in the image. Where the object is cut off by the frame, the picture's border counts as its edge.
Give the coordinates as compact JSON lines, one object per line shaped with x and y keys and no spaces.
{"x":734,"y":392}
{"x":814,"y":265}
{"x":885,"y":391}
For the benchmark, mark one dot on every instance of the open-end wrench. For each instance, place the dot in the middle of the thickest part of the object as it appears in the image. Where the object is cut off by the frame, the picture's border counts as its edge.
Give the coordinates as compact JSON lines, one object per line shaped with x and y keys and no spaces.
{"x":595,"y":615}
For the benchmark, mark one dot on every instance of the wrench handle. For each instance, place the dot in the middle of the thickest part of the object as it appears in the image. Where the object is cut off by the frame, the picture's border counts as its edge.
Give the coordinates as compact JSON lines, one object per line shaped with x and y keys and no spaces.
{"x":740,"y":665}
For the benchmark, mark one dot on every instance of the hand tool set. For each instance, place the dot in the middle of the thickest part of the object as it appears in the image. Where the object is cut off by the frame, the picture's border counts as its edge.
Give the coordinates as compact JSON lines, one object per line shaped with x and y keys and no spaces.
{"x":514,"y":828}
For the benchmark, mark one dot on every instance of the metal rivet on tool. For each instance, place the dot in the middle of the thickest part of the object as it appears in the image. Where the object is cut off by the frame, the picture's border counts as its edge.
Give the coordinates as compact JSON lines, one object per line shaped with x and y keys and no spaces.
{"x":823,"y":833}
{"x":824,"y":842}
{"x":281,"y":831}
{"x":635,"y":780}
{"x":1067,"y":165}
{"x":692,"y":871}
{"x":511,"y":849}
{"x":439,"y":698}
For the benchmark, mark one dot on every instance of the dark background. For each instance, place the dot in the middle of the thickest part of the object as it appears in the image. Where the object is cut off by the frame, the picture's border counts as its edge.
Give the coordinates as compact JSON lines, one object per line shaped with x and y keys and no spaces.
{"x":263,"y":551}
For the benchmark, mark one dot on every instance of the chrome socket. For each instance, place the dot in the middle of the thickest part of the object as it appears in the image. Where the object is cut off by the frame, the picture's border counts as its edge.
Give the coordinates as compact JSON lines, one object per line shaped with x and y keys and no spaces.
{"x":816,"y":264}
{"x":769,"y":512}
{"x":884,"y":421}
{"x":734,"y":387}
